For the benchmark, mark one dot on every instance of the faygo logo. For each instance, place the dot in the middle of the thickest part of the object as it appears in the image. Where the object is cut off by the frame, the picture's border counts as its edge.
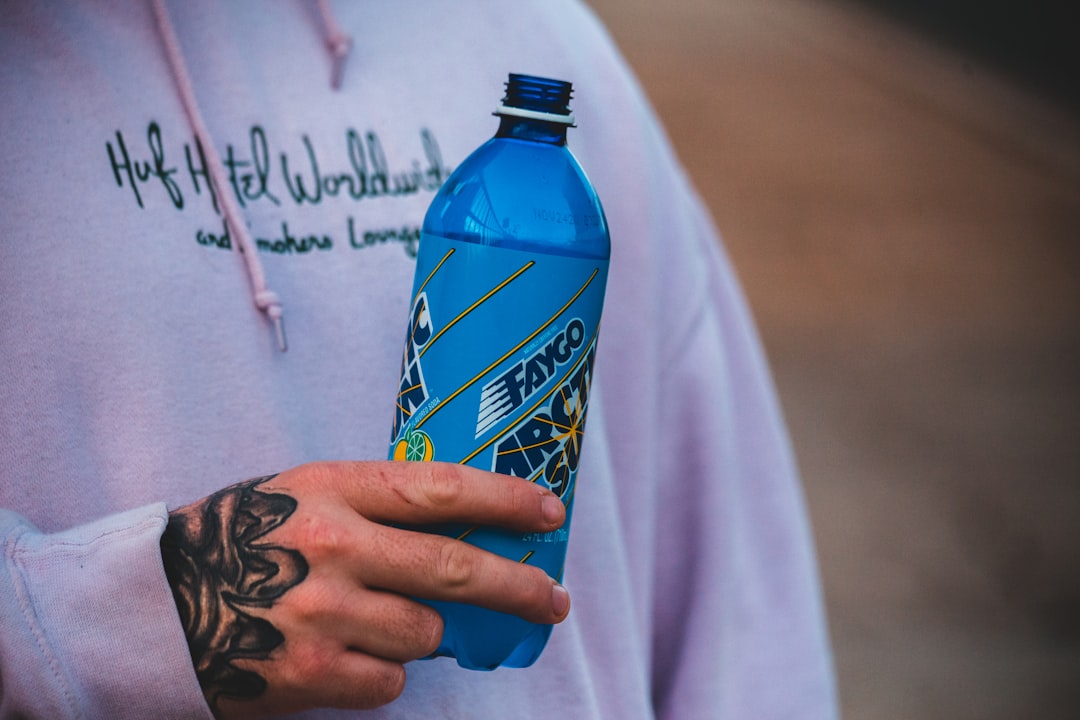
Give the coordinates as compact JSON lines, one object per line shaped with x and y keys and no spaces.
{"x":550,"y":440}
{"x":412,"y":391}
{"x":509,"y":391}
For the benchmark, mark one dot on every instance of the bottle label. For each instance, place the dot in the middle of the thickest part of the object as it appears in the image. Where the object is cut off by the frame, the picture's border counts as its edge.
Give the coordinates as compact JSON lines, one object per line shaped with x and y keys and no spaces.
{"x":496,"y":370}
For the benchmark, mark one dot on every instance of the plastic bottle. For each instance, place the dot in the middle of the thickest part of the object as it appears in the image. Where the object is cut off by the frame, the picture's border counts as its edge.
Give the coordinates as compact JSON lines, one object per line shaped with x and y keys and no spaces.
{"x":499,"y":352}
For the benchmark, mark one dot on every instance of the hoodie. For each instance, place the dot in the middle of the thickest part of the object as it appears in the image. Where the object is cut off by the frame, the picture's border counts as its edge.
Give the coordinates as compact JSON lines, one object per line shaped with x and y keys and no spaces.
{"x":159,"y":239}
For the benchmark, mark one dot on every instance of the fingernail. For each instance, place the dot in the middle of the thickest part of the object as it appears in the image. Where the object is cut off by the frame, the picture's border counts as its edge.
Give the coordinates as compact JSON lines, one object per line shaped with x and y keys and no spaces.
{"x":553,"y":509}
{"x":560,"y":599}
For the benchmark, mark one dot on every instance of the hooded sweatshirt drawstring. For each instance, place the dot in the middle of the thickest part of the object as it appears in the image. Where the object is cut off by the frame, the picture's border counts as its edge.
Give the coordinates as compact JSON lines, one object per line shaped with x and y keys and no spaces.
{"x":337,"y":42}
{"x":264,"y":298}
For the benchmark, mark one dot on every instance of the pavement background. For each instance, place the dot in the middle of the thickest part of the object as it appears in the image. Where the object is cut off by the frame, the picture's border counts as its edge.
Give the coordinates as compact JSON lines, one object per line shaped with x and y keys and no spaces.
{"x":904,"y":212}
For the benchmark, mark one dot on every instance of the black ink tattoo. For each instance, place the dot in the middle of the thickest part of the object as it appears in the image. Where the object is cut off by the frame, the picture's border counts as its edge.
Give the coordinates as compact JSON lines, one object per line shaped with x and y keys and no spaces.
{"x":219,"y":570}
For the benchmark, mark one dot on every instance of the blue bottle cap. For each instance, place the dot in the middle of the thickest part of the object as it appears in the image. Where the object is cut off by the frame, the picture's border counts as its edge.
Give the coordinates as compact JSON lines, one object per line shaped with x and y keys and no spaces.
{"x":537,"y":98}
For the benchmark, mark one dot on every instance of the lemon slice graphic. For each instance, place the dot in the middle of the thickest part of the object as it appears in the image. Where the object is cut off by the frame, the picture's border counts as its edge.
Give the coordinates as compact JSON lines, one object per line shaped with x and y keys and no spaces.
{"x":416,"y":446}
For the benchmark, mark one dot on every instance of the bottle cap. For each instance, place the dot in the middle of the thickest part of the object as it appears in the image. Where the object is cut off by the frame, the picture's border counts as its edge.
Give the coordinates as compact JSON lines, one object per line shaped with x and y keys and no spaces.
{"x":537,"y":98}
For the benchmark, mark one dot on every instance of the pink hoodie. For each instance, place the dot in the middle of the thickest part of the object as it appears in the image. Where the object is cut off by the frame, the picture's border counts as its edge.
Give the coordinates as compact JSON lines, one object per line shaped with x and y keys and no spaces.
{"x":141,"y":370}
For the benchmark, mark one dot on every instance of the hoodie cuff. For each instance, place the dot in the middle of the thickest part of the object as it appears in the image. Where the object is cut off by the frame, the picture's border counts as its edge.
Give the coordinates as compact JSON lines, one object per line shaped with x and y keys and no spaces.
{"x":96,"y":622}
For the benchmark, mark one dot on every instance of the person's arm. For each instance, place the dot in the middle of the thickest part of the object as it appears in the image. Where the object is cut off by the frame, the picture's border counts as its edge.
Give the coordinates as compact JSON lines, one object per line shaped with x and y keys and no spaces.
{"x":733,"y":609}
{"x":740,"y":628}
{"x":88,"y":627}
{"x":293,"y":591}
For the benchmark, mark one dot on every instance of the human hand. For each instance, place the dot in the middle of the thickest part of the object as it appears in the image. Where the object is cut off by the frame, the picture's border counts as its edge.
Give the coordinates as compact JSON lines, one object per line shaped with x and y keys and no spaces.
{"x":295,"y":591}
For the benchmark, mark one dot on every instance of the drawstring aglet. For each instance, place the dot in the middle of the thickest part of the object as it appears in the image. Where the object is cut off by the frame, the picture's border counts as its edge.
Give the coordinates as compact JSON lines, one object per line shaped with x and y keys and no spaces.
{"x":337,"y":41}
{"x":279,"y":330}
{"x":267,"y":301}
{"x":340,"y":46}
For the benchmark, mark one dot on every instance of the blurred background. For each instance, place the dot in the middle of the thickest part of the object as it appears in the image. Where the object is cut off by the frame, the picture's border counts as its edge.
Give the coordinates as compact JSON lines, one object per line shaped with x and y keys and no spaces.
{"x":898,"y":186}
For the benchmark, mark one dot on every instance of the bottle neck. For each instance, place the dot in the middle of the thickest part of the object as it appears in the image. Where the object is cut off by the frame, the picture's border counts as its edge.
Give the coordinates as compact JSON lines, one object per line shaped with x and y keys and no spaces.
{"x":534,"y":130}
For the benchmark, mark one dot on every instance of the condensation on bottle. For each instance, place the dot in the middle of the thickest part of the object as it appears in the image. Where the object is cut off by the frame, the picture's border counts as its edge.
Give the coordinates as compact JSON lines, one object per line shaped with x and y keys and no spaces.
{"x":501,"y":340}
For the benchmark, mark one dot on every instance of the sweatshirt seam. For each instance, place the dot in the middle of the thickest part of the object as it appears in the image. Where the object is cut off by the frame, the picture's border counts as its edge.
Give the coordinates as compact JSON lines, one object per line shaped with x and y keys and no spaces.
{"x":130,"y":531}
{"x":33,"y":622}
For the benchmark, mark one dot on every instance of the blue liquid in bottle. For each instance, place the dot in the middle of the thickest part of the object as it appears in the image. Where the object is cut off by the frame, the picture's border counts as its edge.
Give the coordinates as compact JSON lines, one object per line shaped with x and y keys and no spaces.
{"x":499,"y":354}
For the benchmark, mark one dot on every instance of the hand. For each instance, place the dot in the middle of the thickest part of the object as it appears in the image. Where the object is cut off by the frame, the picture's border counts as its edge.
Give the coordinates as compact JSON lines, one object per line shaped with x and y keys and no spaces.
{"x":295,"y":591}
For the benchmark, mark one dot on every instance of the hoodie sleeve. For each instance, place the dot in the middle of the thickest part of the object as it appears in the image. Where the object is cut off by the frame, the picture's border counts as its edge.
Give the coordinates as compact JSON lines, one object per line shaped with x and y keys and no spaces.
{"x":718,"y":528}
{"x":739,"y":625}
{"x":88,"y":626}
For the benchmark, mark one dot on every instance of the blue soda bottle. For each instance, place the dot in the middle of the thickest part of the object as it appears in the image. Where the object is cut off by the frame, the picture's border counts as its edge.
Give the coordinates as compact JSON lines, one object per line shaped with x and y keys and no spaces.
{"x":499,"y":352}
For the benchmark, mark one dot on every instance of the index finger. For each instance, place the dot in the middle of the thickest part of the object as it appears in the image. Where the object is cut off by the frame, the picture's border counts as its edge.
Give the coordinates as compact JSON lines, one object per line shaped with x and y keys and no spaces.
{"x":435,"y":492}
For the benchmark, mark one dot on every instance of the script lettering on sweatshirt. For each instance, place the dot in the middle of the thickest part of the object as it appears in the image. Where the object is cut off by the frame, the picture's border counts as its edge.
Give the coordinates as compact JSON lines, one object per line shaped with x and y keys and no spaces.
{"x":291,"y":241}
{"x":358,"y":170}
{"x":153,"y":168}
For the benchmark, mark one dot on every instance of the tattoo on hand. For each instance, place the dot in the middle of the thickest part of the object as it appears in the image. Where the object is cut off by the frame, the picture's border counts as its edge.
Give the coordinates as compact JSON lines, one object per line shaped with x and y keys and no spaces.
{"x":220,"y":568}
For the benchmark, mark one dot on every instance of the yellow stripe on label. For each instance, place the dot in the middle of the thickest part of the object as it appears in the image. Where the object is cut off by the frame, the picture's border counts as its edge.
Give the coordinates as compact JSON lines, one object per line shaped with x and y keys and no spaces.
{"x":431,"y":275}
{"x":487,"y":296}
{"x":511,"y":351}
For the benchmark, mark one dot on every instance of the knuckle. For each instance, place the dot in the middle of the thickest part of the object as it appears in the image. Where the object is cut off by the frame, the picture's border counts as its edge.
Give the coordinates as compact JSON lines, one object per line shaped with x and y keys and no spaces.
{"x":387,"y":685}
{"x":324,"y":475}
{"x":321,"y":538}
{"x":316,"y":470}
{"x":537,"y":585}
{"x":330,"y":475}
{"x":307,"y":664}
{"x":442,"y":486}
{"x":429,"y":626}
{"x":532,"y":593}
{"x":522,"y":501}
{"x":455,"y":564}
{"x":311,"y":604}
